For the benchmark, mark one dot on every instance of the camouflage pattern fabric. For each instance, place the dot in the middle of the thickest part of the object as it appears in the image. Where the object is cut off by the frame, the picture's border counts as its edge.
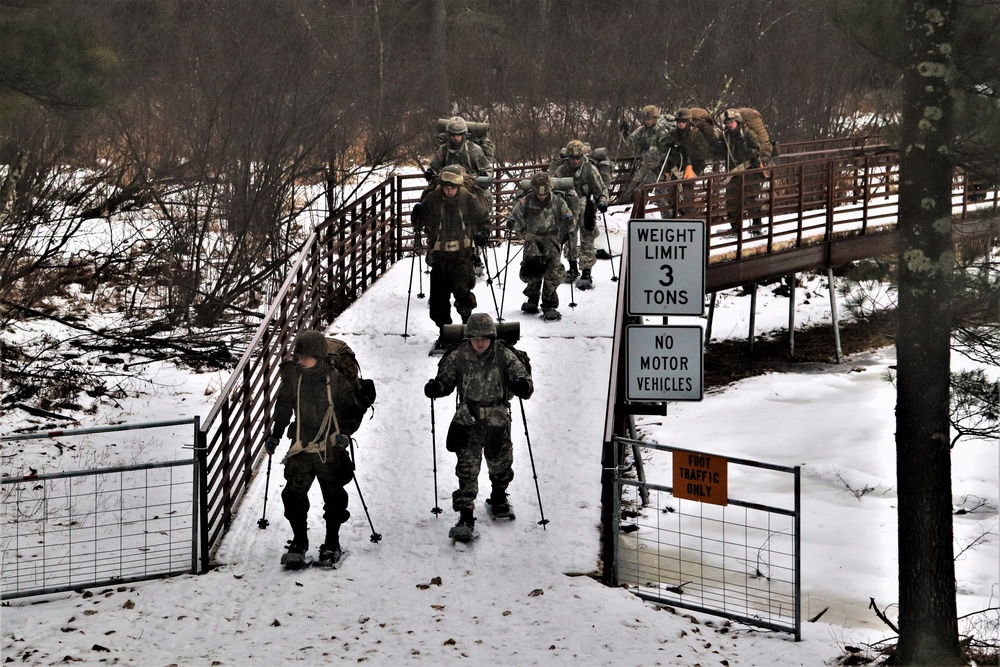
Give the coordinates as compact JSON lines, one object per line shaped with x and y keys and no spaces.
{"x":588,"y":184}
{"x":451,"y":224}
{"x":545,"y":227}
{"x":695,"y":147}
{"x":482,"y":420}
{"x":468,"y":154}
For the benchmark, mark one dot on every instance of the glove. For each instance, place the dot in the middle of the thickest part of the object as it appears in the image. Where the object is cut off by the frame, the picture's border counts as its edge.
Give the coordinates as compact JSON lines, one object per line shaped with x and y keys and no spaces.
{"x":429,"y":174}
{"x":342,"y":440}
{"x":433,"y":389}
{"x":623,"y":127}
{"x":481,"y":239}
{"x":270,"y":445}
{"x":416,"y":215}
{"x":602,"y":206}
{"x":520,"y":387}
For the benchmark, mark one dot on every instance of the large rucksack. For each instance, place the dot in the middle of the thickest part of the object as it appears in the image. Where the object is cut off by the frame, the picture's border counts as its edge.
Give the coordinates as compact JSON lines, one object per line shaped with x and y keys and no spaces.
{"x":754,"y":124}
{"x":701,"y":120}
{"x":340,"y":356}
{"x":478,"y":132}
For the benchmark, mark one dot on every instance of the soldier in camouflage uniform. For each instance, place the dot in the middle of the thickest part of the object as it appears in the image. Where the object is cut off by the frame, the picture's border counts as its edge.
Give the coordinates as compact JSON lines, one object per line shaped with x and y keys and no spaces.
{"x":326,"y":413}
{"x":486,"y":373}
{"x":653,"y":144}
{"x":456,"y":218}
{"x":739,"y":151}
{"x":460,"y":150}
{"x":591,"y":196}
{"x":544,"y":220}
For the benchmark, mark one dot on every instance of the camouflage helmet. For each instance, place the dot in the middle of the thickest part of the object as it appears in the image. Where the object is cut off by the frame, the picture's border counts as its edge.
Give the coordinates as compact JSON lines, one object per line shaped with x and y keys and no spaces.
{"x":732,"y":114}
{"x":457,"y":125}
{"x":683,"y":115}
{"x":541,"y":184}
{"x":311,"y":343}
{"x":453,"y":174}
{"x":480,"y":325}
{"x":650,"y":111}
{"x":576,"y":148}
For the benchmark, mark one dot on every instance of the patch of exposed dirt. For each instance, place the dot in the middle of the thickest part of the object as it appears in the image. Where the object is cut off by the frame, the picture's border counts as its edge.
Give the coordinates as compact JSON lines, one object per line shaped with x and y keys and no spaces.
{"x":732,"y":360}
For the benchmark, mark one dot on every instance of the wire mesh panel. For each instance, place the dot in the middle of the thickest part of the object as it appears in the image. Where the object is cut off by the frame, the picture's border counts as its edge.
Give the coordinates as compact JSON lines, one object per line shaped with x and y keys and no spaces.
{"x":66,"y":530}
{"x":738,"y":558}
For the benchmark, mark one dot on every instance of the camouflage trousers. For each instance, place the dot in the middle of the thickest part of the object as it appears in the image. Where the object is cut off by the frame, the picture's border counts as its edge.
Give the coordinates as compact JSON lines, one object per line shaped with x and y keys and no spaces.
{"x":451,"y":273}
{"x":555,"y":274}
{"x":333,"y":475}
{"x":581,"y":246}
{"x":479,"y":441}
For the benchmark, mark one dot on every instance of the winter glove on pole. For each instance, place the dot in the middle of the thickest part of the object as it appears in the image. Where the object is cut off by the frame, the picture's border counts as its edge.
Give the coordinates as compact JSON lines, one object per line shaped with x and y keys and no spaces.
{"x":433,"y":389}
{"x":270,"y":445}
{"x":520,"y":387}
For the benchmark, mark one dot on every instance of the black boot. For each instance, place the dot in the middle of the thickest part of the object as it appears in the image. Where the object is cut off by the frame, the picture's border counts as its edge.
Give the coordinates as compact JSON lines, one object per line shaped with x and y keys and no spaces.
{"x":585,"y":282}
{"x":530,"y":306}
{"x":574,"y":271}
{"x":464,"y":530}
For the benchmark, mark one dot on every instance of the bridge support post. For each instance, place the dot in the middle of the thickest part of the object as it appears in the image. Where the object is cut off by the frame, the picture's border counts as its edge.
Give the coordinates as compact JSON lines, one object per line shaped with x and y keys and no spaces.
{"x":711,"y":317}
{"x":753,"y":312}
{"x":834,"y":314}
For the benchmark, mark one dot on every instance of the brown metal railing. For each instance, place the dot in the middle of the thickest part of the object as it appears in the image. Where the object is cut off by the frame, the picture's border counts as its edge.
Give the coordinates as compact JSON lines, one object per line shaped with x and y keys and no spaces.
{"x":804,"y":204}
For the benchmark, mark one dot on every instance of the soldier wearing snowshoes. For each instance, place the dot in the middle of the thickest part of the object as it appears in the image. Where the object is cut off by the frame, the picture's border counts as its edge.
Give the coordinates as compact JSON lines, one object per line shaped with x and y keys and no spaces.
{"x":592,"y":196}
{"x":460,"y":150}
{"x":455,"y":216}
{"x":740,"y":152}
{"x":653,"y":145}
{"x":326,"y":412}
{"x":544,"y":220}
{"x":486,"y":373}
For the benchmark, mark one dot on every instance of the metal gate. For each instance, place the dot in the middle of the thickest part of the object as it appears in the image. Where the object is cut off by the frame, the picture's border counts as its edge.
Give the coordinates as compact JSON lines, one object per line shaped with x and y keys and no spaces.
{"x":738,"y":560}
{"x":68,"y":530}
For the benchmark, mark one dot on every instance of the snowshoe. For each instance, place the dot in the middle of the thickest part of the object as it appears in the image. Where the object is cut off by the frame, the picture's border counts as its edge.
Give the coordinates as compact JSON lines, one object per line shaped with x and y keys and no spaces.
{"x":500,"y":509}
{"x":585,"y":282}
{"x":437,"y":349}
{"x":465,"y":529}
{"x":601,"y":253}
{"x":296,"y":558}
{"x":530,"y":307}
{"x":330,"y":556}
{"x":552,"y":315}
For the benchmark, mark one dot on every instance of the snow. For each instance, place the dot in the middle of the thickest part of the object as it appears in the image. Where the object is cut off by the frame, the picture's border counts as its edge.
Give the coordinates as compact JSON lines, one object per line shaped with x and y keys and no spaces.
{"x":520,"y":594}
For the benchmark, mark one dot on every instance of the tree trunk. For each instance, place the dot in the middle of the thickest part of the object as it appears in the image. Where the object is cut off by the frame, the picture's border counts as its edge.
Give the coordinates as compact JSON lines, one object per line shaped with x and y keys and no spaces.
{"x":440,"y":95}
{"x":928,"y":627}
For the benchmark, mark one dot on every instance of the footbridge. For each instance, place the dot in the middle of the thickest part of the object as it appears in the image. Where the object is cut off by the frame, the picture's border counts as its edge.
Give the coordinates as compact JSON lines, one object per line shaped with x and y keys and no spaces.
{"x":821,"y":204}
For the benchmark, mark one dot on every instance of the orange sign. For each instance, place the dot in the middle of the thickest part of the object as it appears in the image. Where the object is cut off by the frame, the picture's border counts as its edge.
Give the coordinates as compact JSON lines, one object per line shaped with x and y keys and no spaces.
{"x":701,"y":477}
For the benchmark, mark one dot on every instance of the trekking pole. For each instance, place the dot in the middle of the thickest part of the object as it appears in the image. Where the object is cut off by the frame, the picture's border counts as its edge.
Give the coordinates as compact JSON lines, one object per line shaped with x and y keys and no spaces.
{"x":534,"y":474}
{"x":436,"y":510}
{"x":409,"y":290}
{"x":607,"y":236}
{"x":262,"y":522}
{"x":420,"y":276}
{"x":489,"y":281}
{"x":572,"y":299}
{"x":503,"y":290}
{"x":375,"y":537}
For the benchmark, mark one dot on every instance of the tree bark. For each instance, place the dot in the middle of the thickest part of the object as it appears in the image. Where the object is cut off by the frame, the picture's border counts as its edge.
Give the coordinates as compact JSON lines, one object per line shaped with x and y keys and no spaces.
{"x":440,"y":95}
{"x":928,"y":627}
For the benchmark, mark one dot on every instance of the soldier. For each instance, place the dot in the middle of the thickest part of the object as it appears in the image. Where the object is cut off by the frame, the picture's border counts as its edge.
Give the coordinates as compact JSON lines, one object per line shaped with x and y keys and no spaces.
{"x":740,"y":152}
{"x":696,"y":149}
{"x":486,"y":373}
{"x":326,"y":412}
{"x":455,"y":215}
{"x":591,"y":193}
{"x":545,"y":222}
{"x":460,"y":150}
{"x":653,"y":145}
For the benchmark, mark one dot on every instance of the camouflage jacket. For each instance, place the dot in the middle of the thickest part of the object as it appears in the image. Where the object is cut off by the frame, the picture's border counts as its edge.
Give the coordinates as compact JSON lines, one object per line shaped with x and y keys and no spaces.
{"x":587,"y":179}
{"x":481,"y":380}
{"x":696,"y":149}
{"x":659,"y":136}
{"x":549,"y":224}
{"x":303,"y":394}
{"x":469,"y":154}
{"x":739,"y":150}
{"x":452,"y":223}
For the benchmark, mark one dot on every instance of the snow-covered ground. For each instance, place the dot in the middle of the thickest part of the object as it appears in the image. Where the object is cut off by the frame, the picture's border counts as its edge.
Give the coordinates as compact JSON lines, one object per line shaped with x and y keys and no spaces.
{"x":519,"y":595}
